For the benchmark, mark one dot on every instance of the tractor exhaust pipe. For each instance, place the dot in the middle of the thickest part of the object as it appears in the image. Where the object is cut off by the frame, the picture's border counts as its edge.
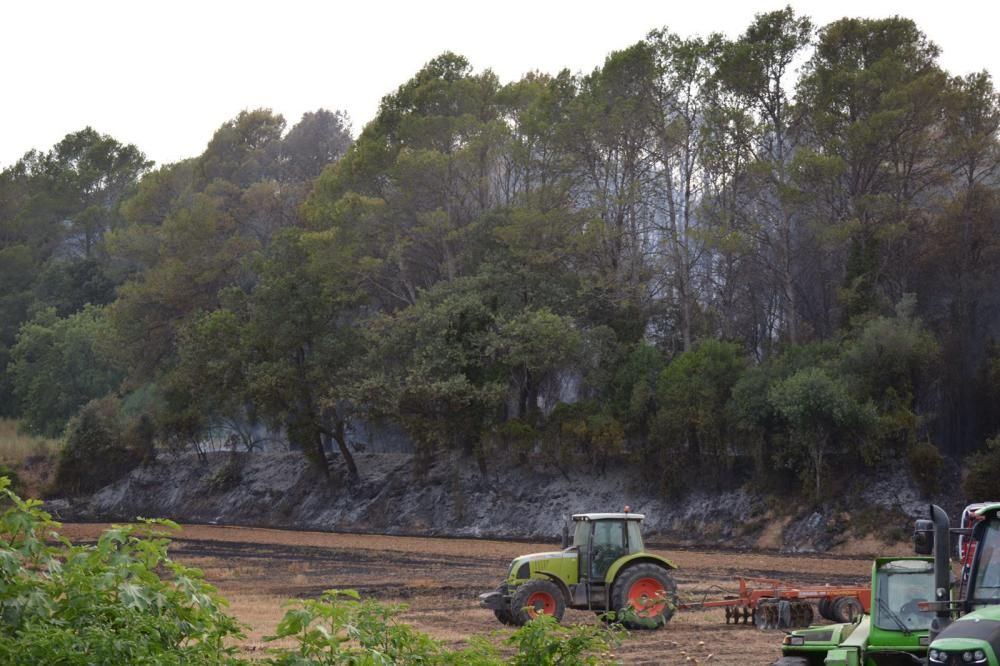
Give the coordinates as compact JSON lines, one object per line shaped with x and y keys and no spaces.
{"x":942,"y":568}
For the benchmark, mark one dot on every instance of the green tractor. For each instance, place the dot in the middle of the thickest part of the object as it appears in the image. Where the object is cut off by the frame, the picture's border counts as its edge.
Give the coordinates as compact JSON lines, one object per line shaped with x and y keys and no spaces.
{"x":966,"y":627}
{"x":605,"y":569}
{"x":893,"y":634}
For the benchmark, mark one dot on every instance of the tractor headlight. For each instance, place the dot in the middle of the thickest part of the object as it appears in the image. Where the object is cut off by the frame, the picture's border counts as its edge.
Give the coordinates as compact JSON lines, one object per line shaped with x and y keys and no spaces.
{"x":979,"y":655}
{"x":937,"y":656}
{"x":967,"y":657}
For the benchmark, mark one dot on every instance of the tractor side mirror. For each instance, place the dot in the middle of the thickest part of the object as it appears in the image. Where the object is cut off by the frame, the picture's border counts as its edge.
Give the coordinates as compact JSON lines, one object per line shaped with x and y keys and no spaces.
{"x":923,"y":536}
{"x":565,"y":536}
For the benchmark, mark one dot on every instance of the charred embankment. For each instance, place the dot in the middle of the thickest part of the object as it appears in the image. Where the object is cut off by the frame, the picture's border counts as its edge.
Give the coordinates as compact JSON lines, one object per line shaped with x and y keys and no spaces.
{"x":282,"y":491}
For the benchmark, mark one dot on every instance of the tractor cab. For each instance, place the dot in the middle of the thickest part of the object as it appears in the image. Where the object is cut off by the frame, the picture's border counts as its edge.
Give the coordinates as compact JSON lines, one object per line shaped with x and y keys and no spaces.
{"x":601,"y":539}
{"x":966,"y":627}
{"x":604,"y":568}
{"x":894,"y":632}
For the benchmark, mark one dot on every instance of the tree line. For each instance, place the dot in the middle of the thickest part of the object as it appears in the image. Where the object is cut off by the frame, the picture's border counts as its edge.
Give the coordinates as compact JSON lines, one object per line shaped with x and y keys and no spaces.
{"x":695,"y":257}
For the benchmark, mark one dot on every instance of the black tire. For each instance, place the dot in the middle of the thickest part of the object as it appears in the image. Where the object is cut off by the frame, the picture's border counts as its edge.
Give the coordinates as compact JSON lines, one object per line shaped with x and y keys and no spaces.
{"x":823,"y":605}
{"x":792,"y":661}
{"x":644,"y":576}
{"x":845,"y":609}
{"x":534,"y":597}
{"x":505,"y":616}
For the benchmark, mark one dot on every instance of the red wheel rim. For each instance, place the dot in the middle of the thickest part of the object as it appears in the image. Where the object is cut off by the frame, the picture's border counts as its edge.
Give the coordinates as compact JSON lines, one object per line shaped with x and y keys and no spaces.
{"x":541,"y":603}
{"x":647,"y":597}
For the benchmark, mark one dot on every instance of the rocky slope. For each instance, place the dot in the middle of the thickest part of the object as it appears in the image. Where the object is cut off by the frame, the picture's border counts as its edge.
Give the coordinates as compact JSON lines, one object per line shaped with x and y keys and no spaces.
{"x":281,"y":490}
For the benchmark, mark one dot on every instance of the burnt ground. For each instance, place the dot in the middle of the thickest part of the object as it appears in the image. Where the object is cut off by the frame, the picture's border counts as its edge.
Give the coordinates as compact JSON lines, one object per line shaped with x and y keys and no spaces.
{"x":438,"y":579}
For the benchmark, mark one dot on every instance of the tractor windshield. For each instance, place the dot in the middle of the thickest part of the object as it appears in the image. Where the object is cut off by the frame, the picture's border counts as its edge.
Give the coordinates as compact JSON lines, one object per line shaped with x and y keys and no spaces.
{"x":987,"y":587}
{"x":902,"y":585}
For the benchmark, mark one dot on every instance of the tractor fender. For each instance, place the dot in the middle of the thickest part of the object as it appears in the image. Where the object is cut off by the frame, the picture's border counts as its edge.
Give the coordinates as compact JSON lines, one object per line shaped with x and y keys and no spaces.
{"x":560,"y":583}
{"x":635,"y":558}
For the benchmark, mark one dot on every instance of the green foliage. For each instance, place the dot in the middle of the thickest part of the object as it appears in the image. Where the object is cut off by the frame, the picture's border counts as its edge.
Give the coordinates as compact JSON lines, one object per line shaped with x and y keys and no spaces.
{"x":984,"y":469}
{"x":58,"y":365}
{"x":582,"y":432}
{"x":100,"y":447}
{"x":119,"y":601}
{"x":484,"y":251}
{"x":545,"y":642}
{"x":926,"y":462}
{"x":340,"y":628}
{"x":692,"y":394}
{"x":632,"y":389}
{"x":823,"y":418}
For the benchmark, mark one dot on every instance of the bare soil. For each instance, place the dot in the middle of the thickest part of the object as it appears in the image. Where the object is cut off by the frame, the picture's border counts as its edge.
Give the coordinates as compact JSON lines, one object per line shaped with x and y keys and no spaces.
{"x":438,"y":579}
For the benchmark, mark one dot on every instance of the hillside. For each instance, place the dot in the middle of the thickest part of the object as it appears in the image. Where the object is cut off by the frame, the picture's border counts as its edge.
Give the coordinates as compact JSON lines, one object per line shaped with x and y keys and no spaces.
{"x":452,"y":499}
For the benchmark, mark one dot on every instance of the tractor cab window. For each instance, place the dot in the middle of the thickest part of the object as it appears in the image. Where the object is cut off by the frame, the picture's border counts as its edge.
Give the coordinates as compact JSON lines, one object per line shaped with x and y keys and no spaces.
{"x":581,"y":535}
{"x":902,"y":585}
{"x":634,"y":537}
{"x":608,"y":545}
{"x":987,"y":587}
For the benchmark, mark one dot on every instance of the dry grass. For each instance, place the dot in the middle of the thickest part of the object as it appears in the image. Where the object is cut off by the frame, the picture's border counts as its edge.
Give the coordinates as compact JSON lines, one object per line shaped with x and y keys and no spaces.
{"x":32,"y":458}
{"x":16,"y":448}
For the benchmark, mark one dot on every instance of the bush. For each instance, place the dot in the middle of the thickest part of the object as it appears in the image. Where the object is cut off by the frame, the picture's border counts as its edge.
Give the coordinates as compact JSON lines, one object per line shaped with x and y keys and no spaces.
{"x":12,"y":477}
{"x":342,"y":628}
{"x":984,"y":469}
{"x":545,"y":642}
{"x":105,"y":603}
{"x":97,"y":449}
{"x":926,"y":463}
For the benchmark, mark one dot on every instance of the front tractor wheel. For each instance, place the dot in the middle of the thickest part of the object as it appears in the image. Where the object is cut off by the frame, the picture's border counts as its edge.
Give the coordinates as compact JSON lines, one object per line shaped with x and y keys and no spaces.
{"x":505,"y":616}
{"x":644,"y":596}
{"x":534,"y":598}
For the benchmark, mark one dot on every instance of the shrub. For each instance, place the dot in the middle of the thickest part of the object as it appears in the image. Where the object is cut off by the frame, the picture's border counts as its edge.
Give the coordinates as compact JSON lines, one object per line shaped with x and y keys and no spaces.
{"x":342,"y":628}
{"x":96,"y":451}
{"x":926,"y":463}
{"x":545,"y":642}
{"x":11,"y":474}
{"x":104,"y":603}
{"x":984,"y":469}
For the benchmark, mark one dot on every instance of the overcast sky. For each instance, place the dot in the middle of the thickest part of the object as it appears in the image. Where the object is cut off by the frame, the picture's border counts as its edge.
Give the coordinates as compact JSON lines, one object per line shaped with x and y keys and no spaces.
{"x":164,"y":75}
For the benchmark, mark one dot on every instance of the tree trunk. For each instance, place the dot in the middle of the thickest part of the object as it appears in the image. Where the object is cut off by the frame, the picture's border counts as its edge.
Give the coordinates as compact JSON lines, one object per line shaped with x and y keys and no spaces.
{"x":339,"y":436}
{"x":320,"y":451}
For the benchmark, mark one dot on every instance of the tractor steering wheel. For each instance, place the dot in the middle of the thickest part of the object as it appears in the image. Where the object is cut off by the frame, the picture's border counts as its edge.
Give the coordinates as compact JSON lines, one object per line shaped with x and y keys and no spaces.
{"x":910,"y":612}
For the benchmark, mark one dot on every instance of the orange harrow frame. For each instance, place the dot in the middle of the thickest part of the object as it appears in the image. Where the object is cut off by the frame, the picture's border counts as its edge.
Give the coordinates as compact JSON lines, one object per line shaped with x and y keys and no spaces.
{"x":770,"y":603}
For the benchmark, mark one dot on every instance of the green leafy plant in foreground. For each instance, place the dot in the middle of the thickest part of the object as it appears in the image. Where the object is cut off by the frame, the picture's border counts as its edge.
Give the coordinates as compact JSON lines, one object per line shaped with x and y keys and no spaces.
{"x":105,"y":603}
{"x":341,"y":628}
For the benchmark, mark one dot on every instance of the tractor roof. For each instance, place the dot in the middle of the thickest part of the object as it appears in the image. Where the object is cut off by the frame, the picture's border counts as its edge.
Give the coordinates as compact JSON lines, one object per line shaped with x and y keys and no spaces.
{"x":608,"y":516}
{"x":984,"y":508}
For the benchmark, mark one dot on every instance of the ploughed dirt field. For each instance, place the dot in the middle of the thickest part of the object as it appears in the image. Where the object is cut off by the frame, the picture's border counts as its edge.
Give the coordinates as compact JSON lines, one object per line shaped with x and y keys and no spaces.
{"x":257,"y":570}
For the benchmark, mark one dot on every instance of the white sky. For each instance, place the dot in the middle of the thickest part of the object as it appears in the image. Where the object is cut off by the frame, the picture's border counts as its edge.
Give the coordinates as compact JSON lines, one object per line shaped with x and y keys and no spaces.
{"x":165,"y":74}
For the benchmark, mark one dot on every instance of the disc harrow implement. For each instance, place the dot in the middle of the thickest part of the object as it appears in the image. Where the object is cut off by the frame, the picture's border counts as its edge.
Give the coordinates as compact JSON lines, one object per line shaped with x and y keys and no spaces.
{"x":773,"y":604}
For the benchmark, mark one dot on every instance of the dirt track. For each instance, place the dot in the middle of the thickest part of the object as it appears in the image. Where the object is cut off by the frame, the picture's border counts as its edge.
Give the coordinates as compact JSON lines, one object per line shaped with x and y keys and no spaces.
{"x":439,"y":579}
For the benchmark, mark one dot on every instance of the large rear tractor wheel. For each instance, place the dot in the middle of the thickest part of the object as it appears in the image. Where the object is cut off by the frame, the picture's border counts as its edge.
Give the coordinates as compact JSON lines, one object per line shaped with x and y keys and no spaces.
{"x":644,"y":596}
{"x":534,"y":598}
